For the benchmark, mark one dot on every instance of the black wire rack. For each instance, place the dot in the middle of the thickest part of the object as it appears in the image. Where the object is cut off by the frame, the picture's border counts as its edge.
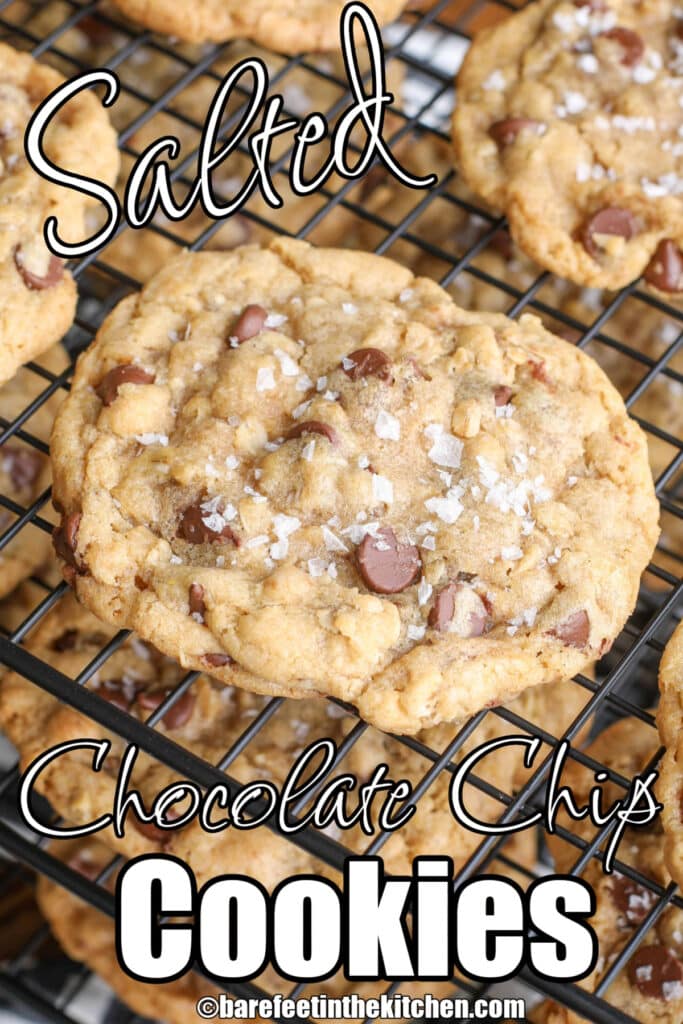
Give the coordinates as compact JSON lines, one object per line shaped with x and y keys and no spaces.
{"x":444,"y":233}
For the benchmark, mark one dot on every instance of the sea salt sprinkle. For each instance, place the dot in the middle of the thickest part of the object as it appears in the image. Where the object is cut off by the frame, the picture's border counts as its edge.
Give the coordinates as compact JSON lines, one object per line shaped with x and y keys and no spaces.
{"x":446,"y":450}
{"x":387,"y":426}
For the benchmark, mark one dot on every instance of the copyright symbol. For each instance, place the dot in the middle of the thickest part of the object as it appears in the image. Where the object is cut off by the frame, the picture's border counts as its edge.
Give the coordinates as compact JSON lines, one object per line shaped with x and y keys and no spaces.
{"x":207,"y":1007}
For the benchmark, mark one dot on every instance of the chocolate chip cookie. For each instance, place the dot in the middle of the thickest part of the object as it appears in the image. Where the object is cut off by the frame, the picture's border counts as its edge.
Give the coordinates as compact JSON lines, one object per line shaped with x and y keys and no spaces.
{"x":291,"y":27}
{"x":88,"y":936}
{"x":312,"y":467}
{"x":568,"y":119}
{"x":669,"y":716}
{"x":25,"y":470}
{"x":38,"y":294}
{"x":650,"y":986}
{"x":209,"y":718}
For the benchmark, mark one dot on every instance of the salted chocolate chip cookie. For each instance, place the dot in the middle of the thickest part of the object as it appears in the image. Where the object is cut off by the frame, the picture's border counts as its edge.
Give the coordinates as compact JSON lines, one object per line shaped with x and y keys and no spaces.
{"x":650,"y":986}
{"x":669,"y":717}
{"x":38,"y":295}
{"x":291,"y":27}
{"x":569,"y":120}
{"x":312,"y":467}
{"x":209,"y":718}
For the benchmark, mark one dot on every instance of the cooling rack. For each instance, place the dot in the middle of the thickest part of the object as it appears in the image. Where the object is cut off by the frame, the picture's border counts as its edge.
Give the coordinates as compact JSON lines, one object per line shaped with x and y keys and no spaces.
{"x":444,"y":233}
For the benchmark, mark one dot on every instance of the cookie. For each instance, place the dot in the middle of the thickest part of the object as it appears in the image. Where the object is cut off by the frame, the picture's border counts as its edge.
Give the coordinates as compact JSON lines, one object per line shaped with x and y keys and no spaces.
{"x":38,"y":294}
{"x":669,"y":717}
{"x":382,"y":497}
{"x":568,"y":120}
{"x":209,"y":718}
{"x":295,"y":26}
{"x":88,"y":936}
{"x":499,"y":273}
{"x":25,"y":471}
{"x":650,"y":986}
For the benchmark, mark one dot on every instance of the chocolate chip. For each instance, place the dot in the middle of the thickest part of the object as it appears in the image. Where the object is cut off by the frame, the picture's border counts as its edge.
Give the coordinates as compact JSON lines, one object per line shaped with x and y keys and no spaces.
{"x":665,"y":269}
{"x":501,"y":243}
{"x":314,"y":427}
{"x":386,"y":565}
{"x":196,"y":600}
{"x":634,"y":901}
{"x":630,"y":42}
{"x":195,"y":530}
{"x":22,"y":464}
{"x":66,"y":642}
{"x":502,"y":395}
{"x":151,"y":831}
{"x":473,"y":613}
{"x":574,"y":630}
{"x":368,"y":362}
{"x":250,"y":323}
{"x":39,"y":282}
{"x":96,"y":31}
{"x":612,"y":220}
{"x":217,"y":660}
{"x":118,"y":692}
{"x":655,"y":971}
{"x":442,"y":611}
{"x":178,"y":715}
{"x":65,"y":538}
{"x":505,"y":132}
{"x":82,"y":865}
{"x":129,"y":373}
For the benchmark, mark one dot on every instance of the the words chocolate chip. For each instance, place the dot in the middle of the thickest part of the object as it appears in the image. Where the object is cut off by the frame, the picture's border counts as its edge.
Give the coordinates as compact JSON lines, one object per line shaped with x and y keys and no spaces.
{"x":634,"y":901}
{"x":613,"y":220}
{"x":314,"y":427}
{"x":65,"y":537}
{"x":386,"y":565}
{"x":196,"y":600}
{"x":656,"y":972}
{"x":502,"y":395}
{"x":108,"y":388}
{"x":178,"y":715}
{"x":249,"y":324}
{"x":217,"y":660}
{"x":505,"y":132}
{"x":367,"y":362}
{"x":39,"y":282}
{"x":574,"y":630}
{"x":197,"y":527}
{"x":665,"y":269}
{"x":23,"y":465}
{"x":631,"y":44}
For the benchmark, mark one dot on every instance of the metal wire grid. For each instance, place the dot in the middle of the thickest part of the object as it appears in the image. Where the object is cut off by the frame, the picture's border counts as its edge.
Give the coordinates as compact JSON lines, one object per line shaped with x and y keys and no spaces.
{"x":627,"y":680}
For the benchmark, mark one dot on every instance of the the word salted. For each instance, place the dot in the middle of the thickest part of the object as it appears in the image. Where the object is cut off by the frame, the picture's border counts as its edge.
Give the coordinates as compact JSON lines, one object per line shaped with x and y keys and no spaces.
{"x":150,"y":190}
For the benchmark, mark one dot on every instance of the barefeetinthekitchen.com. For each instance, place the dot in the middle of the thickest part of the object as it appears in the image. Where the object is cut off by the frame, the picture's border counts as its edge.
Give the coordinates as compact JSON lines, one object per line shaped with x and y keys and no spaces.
{"x":376,"y":804}
{"x":149,"y":189}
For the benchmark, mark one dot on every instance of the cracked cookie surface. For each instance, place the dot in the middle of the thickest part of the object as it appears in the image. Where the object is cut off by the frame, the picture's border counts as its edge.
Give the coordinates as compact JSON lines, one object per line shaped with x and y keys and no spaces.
{"x":569,"y":120}
{"x":291,"y":27}
{"x":307,"y":471}
{"x":38,"y":295}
